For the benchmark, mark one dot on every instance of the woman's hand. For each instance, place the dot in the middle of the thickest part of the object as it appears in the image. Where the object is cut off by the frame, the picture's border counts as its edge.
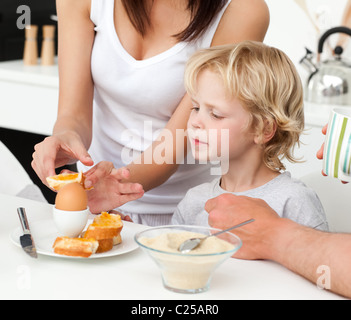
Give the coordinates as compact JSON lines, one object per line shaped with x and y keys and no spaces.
{"x":57,"y":151}
{"x":123,"y":216}
{"x":110,"y":189}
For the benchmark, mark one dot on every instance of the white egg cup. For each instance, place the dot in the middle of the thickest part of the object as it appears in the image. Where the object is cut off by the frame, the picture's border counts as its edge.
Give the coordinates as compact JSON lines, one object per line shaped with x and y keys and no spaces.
{"x":70,"y":223}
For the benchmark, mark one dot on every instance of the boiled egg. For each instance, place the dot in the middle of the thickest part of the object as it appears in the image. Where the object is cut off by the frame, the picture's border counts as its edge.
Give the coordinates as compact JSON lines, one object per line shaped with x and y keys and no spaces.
{"x":71,"y":197}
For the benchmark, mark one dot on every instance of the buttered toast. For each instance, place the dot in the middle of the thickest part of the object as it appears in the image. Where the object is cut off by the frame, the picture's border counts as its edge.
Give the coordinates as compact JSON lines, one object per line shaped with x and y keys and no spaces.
{"x":75,"y":247}
{"x":106,"y":229}
{"x":105,"y":226}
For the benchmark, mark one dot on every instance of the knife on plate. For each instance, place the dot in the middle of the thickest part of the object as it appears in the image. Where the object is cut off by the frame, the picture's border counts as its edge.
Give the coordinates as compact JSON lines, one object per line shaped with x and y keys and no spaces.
{"x":26,"y":240}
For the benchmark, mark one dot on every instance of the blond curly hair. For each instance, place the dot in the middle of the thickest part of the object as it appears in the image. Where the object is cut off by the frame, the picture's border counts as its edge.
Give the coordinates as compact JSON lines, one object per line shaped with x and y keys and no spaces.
{"x":268,"y":86}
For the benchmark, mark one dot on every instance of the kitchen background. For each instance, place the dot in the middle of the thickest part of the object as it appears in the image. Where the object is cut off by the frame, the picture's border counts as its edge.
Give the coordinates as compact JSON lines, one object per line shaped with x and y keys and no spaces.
{"x":11,"y":38}
{"x":292,"y":29}
{"x":28,"y":95}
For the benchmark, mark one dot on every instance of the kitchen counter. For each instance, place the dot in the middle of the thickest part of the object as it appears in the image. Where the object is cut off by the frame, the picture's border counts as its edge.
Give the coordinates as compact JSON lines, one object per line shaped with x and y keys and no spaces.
{"x":16,"y":71}
{"x":29,"y":97}
{"x":130,"y":276}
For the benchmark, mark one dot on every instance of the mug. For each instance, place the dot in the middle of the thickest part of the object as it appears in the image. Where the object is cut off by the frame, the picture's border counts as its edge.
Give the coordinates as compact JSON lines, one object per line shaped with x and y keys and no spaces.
{"x":337,"y":147}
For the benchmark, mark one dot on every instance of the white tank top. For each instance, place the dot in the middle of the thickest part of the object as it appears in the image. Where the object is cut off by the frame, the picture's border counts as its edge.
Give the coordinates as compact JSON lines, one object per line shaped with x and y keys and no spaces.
{"x":134,"y":99}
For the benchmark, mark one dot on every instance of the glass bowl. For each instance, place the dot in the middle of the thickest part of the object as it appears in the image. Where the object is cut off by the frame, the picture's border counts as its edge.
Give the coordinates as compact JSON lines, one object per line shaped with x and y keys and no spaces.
{"x":187,"y":272}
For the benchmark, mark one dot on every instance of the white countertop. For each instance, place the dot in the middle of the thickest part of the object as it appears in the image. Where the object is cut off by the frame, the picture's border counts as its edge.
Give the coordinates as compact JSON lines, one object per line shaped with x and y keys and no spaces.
{"x":28,"y":97}
{"x":16,"y":71}
{"x":132,"y":276}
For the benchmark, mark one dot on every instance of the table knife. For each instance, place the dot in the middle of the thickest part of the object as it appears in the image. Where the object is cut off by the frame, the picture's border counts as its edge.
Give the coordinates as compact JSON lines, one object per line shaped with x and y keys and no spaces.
{"x":26,"y":240}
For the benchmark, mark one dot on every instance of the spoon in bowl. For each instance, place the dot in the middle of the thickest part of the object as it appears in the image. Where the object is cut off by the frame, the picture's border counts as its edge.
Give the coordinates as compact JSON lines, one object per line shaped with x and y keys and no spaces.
{"x":193,"y":243}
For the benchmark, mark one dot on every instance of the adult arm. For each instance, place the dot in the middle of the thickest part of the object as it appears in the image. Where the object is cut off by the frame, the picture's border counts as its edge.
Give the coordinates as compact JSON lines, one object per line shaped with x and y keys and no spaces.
{"x":73,"y":128}
{"x":302,"y":250}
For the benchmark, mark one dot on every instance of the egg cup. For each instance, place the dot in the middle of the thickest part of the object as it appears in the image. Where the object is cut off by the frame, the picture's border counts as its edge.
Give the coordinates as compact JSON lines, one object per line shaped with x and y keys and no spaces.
{"x":70,"y":223}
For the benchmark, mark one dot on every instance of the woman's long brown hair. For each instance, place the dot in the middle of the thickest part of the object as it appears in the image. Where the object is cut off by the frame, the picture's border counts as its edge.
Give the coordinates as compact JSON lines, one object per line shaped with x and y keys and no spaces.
{"x":202,"y":11}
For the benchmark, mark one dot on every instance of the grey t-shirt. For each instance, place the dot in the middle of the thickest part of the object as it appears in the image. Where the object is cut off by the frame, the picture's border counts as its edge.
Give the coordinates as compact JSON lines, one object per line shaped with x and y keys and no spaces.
{"x":289,"y":197}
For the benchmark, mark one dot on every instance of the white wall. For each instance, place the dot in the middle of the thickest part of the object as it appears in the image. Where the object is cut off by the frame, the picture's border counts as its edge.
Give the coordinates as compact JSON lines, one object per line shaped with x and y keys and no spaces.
{"x":292,"y":31}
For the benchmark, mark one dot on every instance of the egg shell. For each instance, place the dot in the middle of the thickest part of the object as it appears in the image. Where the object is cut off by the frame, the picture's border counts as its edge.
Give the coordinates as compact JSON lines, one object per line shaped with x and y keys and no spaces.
{"x":71,"y":197}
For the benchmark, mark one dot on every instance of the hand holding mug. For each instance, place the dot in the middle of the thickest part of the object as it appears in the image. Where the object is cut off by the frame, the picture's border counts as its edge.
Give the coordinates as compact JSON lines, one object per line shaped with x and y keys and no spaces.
{"x":337,"y":147}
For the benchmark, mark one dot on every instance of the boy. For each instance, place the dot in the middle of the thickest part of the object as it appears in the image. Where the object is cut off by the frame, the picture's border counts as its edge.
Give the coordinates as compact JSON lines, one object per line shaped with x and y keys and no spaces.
{"x":252,"y":92}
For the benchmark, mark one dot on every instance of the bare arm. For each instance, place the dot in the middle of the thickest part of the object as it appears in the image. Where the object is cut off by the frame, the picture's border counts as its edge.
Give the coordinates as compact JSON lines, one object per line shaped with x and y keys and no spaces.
{"x":243,"y":20}
{"x":73,"y":128}
{"x":298,"y":248}
{"x":76,"y":37}
{"x":311,"y":253}
{"x":152,"y":175}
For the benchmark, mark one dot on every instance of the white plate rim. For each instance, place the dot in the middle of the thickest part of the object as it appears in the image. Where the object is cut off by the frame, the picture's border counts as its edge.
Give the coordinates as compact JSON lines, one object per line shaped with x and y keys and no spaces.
{"x":128,"y":243}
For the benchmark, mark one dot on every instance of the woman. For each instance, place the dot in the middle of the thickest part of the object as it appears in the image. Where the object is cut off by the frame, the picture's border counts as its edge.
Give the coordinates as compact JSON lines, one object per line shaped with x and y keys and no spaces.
{"x":127,"y":59}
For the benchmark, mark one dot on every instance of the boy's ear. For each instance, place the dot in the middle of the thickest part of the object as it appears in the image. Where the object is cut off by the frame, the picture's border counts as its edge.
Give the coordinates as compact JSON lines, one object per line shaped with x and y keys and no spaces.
{"x":269,"y":130}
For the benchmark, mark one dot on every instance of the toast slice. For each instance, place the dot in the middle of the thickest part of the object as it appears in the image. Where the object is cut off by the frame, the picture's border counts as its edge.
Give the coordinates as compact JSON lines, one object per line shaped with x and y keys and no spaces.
{"x":105,"y":226}
{"x":105,"y":245}
{"x":75,"y":247}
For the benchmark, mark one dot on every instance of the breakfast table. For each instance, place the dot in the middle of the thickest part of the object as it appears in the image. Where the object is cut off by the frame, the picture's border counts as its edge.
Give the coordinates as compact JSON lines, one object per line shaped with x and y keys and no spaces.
{"x":129,"y":276}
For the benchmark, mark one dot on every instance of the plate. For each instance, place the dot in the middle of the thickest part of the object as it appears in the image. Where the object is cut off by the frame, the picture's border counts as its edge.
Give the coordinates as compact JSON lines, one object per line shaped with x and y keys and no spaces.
{"x":45,"y":233}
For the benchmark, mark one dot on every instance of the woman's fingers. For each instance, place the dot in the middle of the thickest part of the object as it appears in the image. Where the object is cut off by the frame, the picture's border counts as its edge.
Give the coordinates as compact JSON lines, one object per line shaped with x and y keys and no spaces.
{"x":130,"y":188}
{"x":111,"y":187}
{"x":98,"y":172}
{"x":44,"y":159}
{"x":105,"y":170}
{"x":126,"y":187}
{"x":78,"y":152}
{"x":56,"y":151}
{"x":123,"y":216}
{"x":125,"y":198}
{"x":121,"y":173}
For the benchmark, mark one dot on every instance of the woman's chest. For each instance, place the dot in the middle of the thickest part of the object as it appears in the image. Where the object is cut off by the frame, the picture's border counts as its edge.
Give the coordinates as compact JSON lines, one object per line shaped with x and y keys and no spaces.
{"x":165,"y":22}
